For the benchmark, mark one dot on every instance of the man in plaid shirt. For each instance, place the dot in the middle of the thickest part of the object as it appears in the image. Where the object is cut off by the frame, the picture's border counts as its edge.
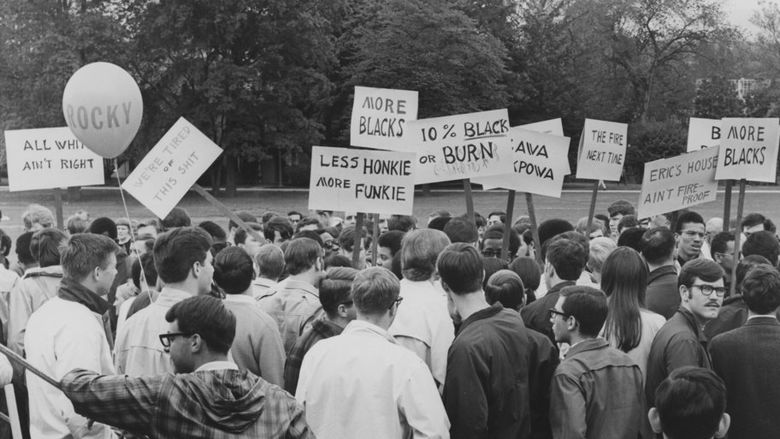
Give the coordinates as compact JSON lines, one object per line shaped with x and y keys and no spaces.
{"x":207,"y":398}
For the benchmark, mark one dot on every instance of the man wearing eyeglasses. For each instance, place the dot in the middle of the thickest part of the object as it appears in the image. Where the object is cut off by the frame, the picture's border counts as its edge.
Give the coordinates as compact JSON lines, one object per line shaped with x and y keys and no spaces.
{"x":681,"y":341}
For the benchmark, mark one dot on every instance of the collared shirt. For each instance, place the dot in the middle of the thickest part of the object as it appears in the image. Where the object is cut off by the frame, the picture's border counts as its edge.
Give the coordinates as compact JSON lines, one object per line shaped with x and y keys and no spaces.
{"x":257,"y":346}
{"x":36,"y":287}
{"x":320,"y":330}
{"x":294,"y":304}
{"x":678,"y":343}
{"x":138,"y":348}
{"x":423,"y":316}
{"x":8,"y":280}
{"x":361,"y":384}
{"x":217,"y":365}
{"x":215,"y":402}
{"x":262,"y":286}
{"x":596,"y":392}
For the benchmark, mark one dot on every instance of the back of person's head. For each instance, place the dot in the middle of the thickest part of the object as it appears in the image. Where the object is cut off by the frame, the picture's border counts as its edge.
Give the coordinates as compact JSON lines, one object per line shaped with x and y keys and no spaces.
{"x":492,"y":265}
{"x":505,"y":286}
{"x":582,"y":226}
{"x":216,"y":232}
{"x":304,"y":223}
{"x":704,"y":269}
{"x":243,"y":216}
{"x":752,"y":220}
{"x":687,"y":217}
{"x":553,"y":227}
{"x":460,"y":267}
{"x":621,"y":207}
{"x":374,"y":291}
{"x":761,"y":289}
{"x":392,"y":240}
{"x":270,"y":262}
{"x":439,"y":222}
{"x":103,"y":226}
{"x":496,"y":231}
{"x":336,"y":260}
{"x":348,"y":236}
{"x":627,"y":222}
{"x":438,"y":214}
{"x":177,"y":250}
{"x":23,"y":253}
{"x":177,"y":217}
{"x":83,"y":252}
{"x":207,"y":317}
{"x":419,"y":250}
{"x":588,"y":306}
{"x":233,"y":270}
{"x":311,"y":234}
{"x":335,"y":287}
{"x":77,"y":223}
{"x":461,"y":229}
{"x":624,"y":281}
{"x":600,"y":248}
{"x":301,"y":255}
{"x":271,"y":214}
{"x":746,"y":264}
{"x":5,"y":243}
{"x":239,"y":237}
{"x":720,"y":243}
{"x":762,"y":243}
{"x":403,"y":223}
{"x":631,"y":238}
{"x":658,"y":245}
{"x":145,"y":263}
{"x":529,"y":272}
{"x":37,"y":215}
{"x":568,"y":257}
{"x":278,"y":224}
{"x":45,"y":246}
{"x":690,"y":404}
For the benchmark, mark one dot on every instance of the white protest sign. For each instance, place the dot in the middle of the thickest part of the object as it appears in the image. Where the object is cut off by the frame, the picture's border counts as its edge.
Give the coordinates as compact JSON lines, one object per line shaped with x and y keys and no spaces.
{"x":355,"y":180}
{"x":47,"y":158}
{"x":463,"y":146}
{"x":169,"y":170}
{"x":379,"y":117}
{"x":540,"y":163}
{"x":678,"y":182}
{"x":552,"y":126}
{"x":703,"y":133}
{"x":602,"y":150}
{"x":748,"y":149}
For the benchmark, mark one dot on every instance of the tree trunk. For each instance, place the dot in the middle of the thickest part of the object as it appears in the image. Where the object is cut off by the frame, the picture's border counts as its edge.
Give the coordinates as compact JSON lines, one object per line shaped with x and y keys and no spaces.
{"x":216,"y":179}
{"x":231,"y":176}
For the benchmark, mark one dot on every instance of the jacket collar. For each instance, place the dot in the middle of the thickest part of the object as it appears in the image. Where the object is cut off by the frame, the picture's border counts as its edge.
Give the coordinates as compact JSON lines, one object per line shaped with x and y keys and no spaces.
{"x":762,"y":321}
{"x":560,"y":286}
{"x":73,"y":291}
{"x":691,"y":321}
{"x":587,"y":345}
{"x":484,"y":313}
{"x":362,"y":326}
{"x":661,"y":271}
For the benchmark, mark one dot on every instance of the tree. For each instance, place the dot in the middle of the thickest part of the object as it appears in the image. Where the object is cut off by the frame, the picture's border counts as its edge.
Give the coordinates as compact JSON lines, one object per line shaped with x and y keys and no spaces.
{"x":716,"y":98}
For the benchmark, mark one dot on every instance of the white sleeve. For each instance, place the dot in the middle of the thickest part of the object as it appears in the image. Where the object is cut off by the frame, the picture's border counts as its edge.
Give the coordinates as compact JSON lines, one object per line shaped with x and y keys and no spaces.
{"x":421,"y":405}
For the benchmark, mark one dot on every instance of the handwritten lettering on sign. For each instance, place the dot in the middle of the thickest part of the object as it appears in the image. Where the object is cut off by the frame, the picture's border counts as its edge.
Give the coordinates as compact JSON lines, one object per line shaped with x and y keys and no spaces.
{"x":703,"y":133}
{"x":748,"y":149}
{"x":47,"y":158}
{"x":380,"y":116}
{"x":169,"y":170}
{"x":362,"y":181}
{"x":602,"y":150}
{"x":463,"y":146}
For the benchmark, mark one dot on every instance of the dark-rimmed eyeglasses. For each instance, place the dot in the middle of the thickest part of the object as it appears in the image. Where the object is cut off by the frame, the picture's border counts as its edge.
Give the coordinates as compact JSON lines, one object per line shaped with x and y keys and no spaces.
{"x":707,"y":290}
{"x":397,"y":301}
{"x":167,"y":338}
{"x":554,"y":311}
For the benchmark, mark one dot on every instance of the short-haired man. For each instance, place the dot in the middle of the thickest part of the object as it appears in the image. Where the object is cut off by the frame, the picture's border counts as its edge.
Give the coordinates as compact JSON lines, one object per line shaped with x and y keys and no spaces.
{"x":689,"y":232}
{"x":68,"y":332}
{"x":681,"y":341}
{"x":208,"y":397}
{"x":350,"y":241}
{"x":388,"y":244}
{"x":295,"y":303}
{"x":596,"y":391}
{"x":277,"y":230}
{"x":745,"y":357}
{"x":663,"y":294}
{"x":617,"y":211}
{"x":402,"y":223}
{"x":37,"y":217}
{"x":493,"y":242}
{"x":269,"y":261}
{"x":233,"y":226}
{"x":257,"y":346}
{"x":461,"y":229}
{"x":248,"y":242}
{"x":564,"y":260}
{"x":690,"y":403}
{"x":762,"y":243}
{"x":756,"y":222}
{"x":494,"y":218}
{"x":488,"y":365}
{"x":295,"y":217}
{"x":722,"y":252}
{"x":184,"y":265}
{"x":423,"y":324}
{"x":361,"y":384}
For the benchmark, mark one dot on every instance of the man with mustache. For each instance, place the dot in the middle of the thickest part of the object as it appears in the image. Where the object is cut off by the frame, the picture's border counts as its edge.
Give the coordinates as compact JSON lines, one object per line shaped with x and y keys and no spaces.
{"x":681,"y":341}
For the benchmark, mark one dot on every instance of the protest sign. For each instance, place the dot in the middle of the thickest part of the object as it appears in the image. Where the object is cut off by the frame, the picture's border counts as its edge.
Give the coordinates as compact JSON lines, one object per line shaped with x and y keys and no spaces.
{"x":47,"y":158}
{"x":462,"y":146}
{"x":361,"y":180}
{"x":703,"y":133}
{"x":552,"y":126}
{"x":748,"y":149}
{"x":169,"y":170}
{"x":602,"y":150}
{"x":678,"y":182}
{"x":540,"y":162}
{"x":380,"y":116}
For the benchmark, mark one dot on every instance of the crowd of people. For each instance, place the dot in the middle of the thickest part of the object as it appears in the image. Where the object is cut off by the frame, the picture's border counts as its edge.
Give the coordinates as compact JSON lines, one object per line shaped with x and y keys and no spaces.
{"x":308,"y":326}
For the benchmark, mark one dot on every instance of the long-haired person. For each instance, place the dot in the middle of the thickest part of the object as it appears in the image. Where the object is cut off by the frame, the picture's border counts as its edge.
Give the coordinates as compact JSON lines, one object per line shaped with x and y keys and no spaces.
{"x":629,"y":326}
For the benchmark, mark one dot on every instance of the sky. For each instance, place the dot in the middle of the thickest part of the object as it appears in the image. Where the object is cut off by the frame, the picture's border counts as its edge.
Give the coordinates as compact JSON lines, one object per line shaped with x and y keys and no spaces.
{"x":739,"y":12}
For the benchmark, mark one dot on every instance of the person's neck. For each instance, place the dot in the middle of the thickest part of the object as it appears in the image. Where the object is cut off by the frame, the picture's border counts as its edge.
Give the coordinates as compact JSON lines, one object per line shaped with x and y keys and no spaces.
{"x":337,"y":320}
{"x":247,"y":292}
{"x":469,"y":303}
{"x":555,"y":281}
{"x":383,"y":321}
{"x":687,"y":257}
{"x":666,"y":263}
{"x":188,"y":286}
{"x":208,"y":357}
{"x":576,"y":337}
{"x":268,"y":278}
{"x":310,"y":276}
{"x":700,"y":322}
{"x":755,"y":314}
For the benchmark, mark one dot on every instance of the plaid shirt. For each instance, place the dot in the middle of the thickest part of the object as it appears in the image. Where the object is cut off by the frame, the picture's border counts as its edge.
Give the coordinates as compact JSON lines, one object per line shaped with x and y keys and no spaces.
{"x":216,"y":404}
{"x":320,"y":330}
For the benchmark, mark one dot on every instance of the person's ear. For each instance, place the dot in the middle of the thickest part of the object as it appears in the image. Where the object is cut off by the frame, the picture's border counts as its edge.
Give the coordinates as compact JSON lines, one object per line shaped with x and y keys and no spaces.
{"x":655,"y":420}
{"x":684,"y":296}
{"x":96,"y":273}
{"x":342,"y":311}
{"x":723,"y":426}
{"x":196,"y":343}
{"x":446,"y":287}
{"x":572,"y":324}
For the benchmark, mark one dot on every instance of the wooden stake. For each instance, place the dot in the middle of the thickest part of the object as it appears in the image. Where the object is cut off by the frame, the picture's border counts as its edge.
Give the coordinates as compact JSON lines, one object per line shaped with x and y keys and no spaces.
{"x":529,"y":199}
{"x":227,"y":212}
{"x":592,"y":210}
{"x":737,"y":236}
{"x":58,"y":208}
{"x":510,"y":207}
{"x":469,"y":200}
{"x":727,"y":206}
{"x":16,"y":358}
{"x":374,"y":241}
{"x":358,"y":242}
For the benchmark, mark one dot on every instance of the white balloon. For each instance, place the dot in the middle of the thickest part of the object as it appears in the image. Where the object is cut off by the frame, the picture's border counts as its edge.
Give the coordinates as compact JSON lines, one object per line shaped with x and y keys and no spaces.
{"x":103,"y":108}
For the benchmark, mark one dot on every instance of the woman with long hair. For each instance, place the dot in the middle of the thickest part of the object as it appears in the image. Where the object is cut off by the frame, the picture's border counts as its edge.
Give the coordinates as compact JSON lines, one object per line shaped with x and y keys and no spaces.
{"x":629,"y":326}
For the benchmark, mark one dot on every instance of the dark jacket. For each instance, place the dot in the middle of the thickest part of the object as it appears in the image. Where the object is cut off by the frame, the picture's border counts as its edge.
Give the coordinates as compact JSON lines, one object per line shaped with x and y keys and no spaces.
{"x":536,"y":316}
{"x":486,"y":391}
{"x":320,"y":330}
{"x":731,"y":315}
{"x":747,"y":359}
{"x":663,"y":294}
{"x":543,"y":360}
{"x":678,"y":343}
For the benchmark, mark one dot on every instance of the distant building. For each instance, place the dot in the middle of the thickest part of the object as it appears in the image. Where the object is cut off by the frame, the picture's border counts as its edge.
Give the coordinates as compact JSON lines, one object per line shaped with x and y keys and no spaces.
{"x":743,"y":86}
